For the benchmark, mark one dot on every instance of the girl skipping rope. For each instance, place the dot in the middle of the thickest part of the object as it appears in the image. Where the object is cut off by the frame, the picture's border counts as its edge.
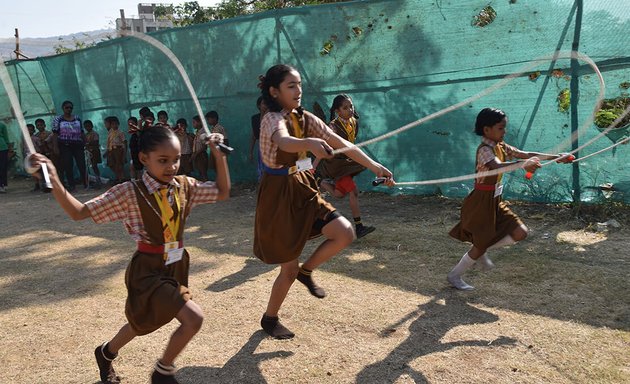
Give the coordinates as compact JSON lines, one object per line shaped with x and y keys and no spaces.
{"x":290,"y":209}
{"x":153,"y":209}
{"x":486,"y":221}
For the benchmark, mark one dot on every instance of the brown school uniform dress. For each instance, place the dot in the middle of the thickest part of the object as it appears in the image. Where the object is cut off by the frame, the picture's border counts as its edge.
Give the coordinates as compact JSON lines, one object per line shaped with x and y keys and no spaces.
{"x":485,"y":218}
{"x":290,"y":209}
{"x":199,"y":155}
{"x":341,"y":165}
{"x":93,"y":148}
{"x":156,"y":292}
{"x":116,"y":150}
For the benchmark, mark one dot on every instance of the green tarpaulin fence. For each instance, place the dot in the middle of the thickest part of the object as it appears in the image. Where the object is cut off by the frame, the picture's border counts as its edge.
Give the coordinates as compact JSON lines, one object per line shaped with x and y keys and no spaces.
{"x":399,"y":60}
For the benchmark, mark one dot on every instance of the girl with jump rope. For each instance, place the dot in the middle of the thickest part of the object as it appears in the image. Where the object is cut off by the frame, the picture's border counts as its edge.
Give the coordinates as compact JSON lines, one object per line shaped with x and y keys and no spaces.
{"x":486,"y":221}
{"x":290,"y":210}
{"x":154,"y":210}
{"x":337,"y":173}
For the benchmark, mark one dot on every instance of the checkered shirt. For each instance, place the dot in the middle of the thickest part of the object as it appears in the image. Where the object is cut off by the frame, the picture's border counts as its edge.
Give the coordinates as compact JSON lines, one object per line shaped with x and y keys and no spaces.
{"x":486,"y":154}
{"x":120,"y":203}
{"x":273,"y":122}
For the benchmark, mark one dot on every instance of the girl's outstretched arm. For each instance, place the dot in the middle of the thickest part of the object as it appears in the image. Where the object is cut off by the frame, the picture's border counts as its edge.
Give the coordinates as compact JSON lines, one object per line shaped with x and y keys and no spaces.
{"x":223,"y":173}
{"x":356,"y":154}
{"x":73,"y":207}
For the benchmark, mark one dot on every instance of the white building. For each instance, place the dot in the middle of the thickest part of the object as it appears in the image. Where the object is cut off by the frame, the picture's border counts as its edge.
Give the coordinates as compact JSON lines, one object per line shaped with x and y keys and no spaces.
{"x":146,"y":21}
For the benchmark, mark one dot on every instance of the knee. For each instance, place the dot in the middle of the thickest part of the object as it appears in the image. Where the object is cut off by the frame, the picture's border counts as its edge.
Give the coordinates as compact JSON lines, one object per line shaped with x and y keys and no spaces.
{"x":347,"y":236}
{"x":289,"y":273}
{"x":195,"y":322}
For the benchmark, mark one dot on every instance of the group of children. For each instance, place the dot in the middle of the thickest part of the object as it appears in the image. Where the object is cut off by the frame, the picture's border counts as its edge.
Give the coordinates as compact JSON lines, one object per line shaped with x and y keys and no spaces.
{"x":290,"y":210}
{"x":193,"y":146}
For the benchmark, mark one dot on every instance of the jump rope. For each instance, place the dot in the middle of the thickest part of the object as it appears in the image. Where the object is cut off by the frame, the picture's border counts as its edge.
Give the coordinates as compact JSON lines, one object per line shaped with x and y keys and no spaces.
{"x":8,"y":85}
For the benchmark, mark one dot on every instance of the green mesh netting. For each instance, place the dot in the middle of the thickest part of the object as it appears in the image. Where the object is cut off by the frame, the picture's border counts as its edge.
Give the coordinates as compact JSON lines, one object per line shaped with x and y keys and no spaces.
{"x":399,"y":60}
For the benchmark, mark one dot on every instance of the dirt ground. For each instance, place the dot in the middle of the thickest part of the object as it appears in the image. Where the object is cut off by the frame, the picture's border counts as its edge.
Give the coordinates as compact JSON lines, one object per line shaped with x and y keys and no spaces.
{"x":555,"y":310}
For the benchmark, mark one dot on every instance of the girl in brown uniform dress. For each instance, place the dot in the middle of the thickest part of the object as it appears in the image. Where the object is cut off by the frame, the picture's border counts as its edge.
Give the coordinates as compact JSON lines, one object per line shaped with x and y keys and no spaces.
{"x":290,"y":209}
{"x":486,"y":221}
{"x":93,"y":149}
{"x":337,"y":173}
{"x":154,"y":210}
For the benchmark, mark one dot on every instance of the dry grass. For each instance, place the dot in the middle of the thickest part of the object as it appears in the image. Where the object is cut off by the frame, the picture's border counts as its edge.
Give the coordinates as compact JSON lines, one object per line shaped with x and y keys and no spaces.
{"x":555,"y":310}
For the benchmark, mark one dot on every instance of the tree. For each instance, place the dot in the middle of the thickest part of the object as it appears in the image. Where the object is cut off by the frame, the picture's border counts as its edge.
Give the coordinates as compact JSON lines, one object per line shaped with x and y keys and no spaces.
{"x":190,"y":12}
{"x":77,"y":44}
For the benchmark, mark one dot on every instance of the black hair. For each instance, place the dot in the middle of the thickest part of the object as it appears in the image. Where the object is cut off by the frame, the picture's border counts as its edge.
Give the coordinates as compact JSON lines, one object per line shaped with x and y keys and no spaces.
{"x":197,"y":118}
{"x":487,"y":118}
{"x":181,"y":121}
{"x":149,"y":115}
{"x":337,"y":102}
{"x":112,"y":119}
{"x":144,"y":111}
{"x":152,"y":138}
{"x":66,"y":102}
{"x":29,"y":125}
{"x":274,"y":76}
{"x":162,"y":113}
{"x":212,"y":115}
{"x":38,"y":120}
{"x":133,"y":119}
{"x":88,"y":123}
{"x":258,"y":101}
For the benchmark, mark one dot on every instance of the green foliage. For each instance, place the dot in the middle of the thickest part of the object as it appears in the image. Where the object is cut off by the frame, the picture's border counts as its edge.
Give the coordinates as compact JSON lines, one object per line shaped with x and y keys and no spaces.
{"x":564,"y":100}
{"x":611,"y":110}
{"x":485,"y":17}
{"x":77,"y":44}
{"x":190,"y":12}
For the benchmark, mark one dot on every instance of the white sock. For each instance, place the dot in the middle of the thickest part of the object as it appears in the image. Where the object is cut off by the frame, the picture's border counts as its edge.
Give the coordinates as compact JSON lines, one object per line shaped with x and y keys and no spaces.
{"x":167,"y":370}
{"x":464,"y":264}
{"x":484,"y":262}
{"x":507,"y":240}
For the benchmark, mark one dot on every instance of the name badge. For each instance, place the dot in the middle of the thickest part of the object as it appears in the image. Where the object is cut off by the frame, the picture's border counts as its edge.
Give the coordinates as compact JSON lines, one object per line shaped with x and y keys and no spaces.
{"x":498,"y":191}
{"x":173,"y":252}
{"x":304,"y":164}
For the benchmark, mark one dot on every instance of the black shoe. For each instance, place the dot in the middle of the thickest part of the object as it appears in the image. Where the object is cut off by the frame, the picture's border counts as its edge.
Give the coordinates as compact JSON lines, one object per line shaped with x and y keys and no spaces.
{"x":158,"y":378}
{"x":363,"y":230}
{"x":108,"y":375}
{"x":275,"y":329}
{"x":313,"y":288}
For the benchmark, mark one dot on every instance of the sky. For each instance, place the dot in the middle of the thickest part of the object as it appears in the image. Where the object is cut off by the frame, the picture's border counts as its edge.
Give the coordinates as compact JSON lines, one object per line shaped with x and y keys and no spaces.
{"x":45,"y":18}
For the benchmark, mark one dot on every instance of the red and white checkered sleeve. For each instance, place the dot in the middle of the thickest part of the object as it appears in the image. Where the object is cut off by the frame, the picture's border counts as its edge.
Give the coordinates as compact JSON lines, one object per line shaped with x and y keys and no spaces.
{"x":485,"y":155}
{"x":317,"y":128}
{"x":202,"y":192}
{"x":112,"y":205}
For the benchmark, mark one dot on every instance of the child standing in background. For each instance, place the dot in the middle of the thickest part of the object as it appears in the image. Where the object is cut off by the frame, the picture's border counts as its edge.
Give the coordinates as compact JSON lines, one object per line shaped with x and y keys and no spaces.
{"x":486,"y":221}
{"x":135,"y":168}
{"x":154,"y":211}
{"x":212,"y":119}
{"x":337,"y":173}
{"x":199,"y":155}
{"x":255,"y":120}
{"x":162,"y":119}
{"x":290,"y":209}
{"x":43,"y":136}
{"x":116,"y":149}
{"x":186,"y":141}
{"x":37,"y":145}
{"x":93,"y":149}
